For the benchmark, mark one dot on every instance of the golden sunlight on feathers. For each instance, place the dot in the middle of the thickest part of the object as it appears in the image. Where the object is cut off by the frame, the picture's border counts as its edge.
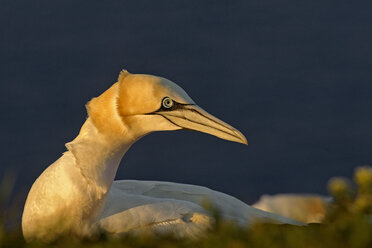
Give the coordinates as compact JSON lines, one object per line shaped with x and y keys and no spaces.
{"x":77,"y":194}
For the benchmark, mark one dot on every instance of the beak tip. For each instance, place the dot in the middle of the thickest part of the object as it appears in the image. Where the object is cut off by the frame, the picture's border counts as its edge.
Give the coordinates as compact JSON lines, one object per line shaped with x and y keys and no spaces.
{"x":241,"y":137}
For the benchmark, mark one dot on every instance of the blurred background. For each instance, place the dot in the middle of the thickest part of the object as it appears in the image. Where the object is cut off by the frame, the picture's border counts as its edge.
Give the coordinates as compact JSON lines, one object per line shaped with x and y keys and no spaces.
{"x":294,"y":76}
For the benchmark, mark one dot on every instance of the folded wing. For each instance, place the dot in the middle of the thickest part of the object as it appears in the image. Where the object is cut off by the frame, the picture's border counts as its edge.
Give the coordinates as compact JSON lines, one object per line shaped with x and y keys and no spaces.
{"x":133,"y":206}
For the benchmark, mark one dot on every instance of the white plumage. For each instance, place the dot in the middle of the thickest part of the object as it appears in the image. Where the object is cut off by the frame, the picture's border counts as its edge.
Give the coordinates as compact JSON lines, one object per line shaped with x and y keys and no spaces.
{"x":77,"y":193}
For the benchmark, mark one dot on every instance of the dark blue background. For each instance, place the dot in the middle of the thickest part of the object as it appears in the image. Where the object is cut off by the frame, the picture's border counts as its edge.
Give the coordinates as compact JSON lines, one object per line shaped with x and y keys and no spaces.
{"x":294,"y":76}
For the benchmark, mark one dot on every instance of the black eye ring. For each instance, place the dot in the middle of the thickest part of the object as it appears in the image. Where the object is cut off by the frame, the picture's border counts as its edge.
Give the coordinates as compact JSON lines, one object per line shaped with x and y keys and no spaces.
{"x":167,"y":103}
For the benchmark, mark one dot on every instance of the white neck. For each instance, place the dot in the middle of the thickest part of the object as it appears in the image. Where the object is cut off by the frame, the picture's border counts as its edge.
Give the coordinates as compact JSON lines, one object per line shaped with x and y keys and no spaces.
{"x":73,"y":189}
{"x":97,"y":157}
{"x":102,"y":141}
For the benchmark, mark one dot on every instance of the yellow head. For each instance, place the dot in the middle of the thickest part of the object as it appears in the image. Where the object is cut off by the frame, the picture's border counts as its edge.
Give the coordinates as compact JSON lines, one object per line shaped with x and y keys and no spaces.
{"x":147,"y":103}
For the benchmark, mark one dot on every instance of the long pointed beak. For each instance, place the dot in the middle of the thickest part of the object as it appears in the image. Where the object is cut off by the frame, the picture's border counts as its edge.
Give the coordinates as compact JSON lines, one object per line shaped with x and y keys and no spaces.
{"x":195,"y":118}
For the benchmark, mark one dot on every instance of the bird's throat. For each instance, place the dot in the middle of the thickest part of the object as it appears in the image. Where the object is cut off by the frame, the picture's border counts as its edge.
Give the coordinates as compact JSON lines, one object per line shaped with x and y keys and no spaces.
{"x":97,"y":156}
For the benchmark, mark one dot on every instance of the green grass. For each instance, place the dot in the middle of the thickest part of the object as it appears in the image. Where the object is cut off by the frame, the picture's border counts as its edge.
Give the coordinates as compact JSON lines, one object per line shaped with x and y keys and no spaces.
{"x":347,"y":224}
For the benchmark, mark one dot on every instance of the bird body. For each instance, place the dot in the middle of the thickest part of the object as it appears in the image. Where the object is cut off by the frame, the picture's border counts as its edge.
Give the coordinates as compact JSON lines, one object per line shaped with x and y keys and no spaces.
{"x":174,"y":208}
{"x":77,"y":193}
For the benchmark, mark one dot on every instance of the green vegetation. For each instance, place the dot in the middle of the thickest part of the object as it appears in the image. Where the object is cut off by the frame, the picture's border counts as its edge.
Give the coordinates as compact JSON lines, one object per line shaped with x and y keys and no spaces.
{"x":347,"y":224}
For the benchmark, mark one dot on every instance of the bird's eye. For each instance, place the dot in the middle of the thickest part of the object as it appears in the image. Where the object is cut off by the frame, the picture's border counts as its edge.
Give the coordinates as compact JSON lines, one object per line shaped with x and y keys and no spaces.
{"x":167,"y":102}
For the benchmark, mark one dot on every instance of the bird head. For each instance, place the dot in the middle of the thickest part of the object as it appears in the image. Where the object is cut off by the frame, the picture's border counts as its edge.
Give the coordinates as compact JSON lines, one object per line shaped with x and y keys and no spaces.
{"x":147,"y":103}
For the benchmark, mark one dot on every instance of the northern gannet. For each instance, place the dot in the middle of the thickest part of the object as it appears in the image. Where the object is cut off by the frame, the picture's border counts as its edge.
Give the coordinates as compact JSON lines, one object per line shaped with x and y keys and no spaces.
{"x":77,"y":194}
{"x":307,"y":208}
